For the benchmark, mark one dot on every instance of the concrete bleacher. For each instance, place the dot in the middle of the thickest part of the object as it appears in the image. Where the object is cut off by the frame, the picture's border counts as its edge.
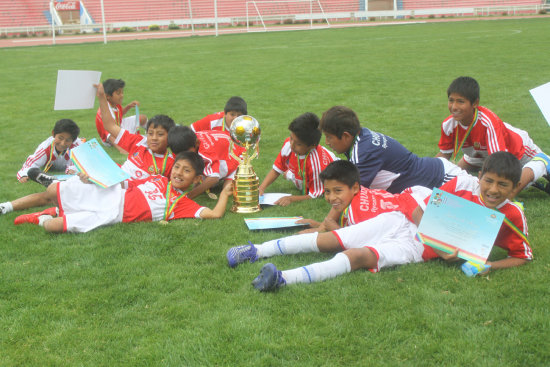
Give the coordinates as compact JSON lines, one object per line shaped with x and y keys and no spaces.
{"x":23,"y":13}
{"x":431,"y":4}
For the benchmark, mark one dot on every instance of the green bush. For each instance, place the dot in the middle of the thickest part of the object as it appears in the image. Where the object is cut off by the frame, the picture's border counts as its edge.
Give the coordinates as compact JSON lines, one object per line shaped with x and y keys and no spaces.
{"x":126,"y":29}
{"x":154,"y":27}
{"x":173,"y":26}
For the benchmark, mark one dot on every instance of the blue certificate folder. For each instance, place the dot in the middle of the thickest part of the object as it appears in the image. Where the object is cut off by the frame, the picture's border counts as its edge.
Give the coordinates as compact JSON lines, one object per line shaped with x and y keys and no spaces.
{"x":450,"y":222}
{"x":273,"y":223}
{"x":91,"y":159}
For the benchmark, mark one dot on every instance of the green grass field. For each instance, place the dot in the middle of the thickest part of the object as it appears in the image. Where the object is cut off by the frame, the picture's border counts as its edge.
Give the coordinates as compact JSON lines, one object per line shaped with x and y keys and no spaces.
{"x":144,"y":294}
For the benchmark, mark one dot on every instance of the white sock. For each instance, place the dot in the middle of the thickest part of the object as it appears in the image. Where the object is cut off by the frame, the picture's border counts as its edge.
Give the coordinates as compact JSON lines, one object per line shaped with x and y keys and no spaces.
{"x":6,"y":207}
{"x":300,"y":243}
{"x":42,"y":219}
{"x":318,"y":272}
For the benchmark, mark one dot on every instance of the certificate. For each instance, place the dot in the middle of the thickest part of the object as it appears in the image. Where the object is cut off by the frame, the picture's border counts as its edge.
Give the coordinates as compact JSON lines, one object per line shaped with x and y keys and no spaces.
{"x":91,"y":159}
{"x":273,"y":223}
{"x":271,"y":198}
{"x":75,"y":89}
{"x":541,"y":95}
{"x":450,"y":222}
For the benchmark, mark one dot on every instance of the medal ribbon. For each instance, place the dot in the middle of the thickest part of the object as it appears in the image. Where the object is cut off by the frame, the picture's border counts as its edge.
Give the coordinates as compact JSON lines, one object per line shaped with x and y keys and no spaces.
{"x":49,"y":162}
{"x":302,"y":173}
{"x":457,"y":147}
{"x":512,"y":226}
{"x":164,"y":162}
{"x":170,"y":207}
{"x":342,"y":216}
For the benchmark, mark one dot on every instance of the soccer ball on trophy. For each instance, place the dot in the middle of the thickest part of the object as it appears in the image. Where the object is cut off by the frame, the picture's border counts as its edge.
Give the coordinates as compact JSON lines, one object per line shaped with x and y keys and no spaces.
{"x":245,"y":132}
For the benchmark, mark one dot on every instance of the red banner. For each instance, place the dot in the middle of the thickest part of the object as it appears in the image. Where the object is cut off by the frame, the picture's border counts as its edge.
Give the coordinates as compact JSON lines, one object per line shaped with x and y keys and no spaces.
{"x":67,"y":5}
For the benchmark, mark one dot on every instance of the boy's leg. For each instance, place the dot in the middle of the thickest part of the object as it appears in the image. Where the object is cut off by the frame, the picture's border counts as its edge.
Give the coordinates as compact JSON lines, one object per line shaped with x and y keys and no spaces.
{"x":33,"y":200}
{"x":533,"y":169}
{"x":53,"y":225}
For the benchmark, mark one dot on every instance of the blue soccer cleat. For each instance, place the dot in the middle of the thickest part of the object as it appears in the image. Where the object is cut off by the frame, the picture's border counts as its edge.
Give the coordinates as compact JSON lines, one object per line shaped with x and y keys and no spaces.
{"x":270,"y":279}
{"x":545,"y":159}
{"x":472,"y":269}
{"x":240,"y":254}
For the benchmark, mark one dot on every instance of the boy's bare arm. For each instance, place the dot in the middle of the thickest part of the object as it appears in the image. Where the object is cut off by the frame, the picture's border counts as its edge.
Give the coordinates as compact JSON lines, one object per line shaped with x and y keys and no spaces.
{"x":109,"y":122}
{"x":268,"y":180}
{"x":129,"y":105}
{"x":507,"y":263}
{"x":207,"y":183}
{"x":219,"y":209}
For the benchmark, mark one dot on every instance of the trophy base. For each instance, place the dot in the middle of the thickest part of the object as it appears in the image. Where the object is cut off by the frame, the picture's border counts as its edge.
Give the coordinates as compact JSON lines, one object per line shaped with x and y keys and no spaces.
{"x":245,"y":210}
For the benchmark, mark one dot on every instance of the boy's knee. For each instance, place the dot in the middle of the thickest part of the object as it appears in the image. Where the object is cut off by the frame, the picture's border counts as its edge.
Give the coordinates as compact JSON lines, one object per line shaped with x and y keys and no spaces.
{"x":361,"y":258}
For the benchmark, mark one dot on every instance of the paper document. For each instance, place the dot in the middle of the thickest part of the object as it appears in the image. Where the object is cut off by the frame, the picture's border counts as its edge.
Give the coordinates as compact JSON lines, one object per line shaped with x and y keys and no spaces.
{"x":271,"y":198}
{"x":273,"y":223}
{"x":541,"y":95}
{"x":75,"y":89}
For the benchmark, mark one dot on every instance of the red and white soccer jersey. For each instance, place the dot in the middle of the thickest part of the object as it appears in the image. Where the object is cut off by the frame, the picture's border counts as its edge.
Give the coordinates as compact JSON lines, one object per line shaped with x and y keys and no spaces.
{"x":467,"y":187}
{"x":368,"y":203}
{"x":117,"y":115}
{"x":294,"y":167}
{"x":84,"y":207}
{"x":214,"y":149}
{"x":215,"y":121}
{"x":488,"y":135}
{"x":139,"y":163}
{"x":46,"y":155}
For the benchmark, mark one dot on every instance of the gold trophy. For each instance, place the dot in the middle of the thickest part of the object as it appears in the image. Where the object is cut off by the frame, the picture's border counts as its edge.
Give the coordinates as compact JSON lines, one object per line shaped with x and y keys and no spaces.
{"x":245,"y":132}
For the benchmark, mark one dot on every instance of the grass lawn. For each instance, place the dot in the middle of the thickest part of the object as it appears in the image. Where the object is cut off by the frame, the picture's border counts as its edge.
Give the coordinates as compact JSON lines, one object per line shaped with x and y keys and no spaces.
{"x":144,"y":294}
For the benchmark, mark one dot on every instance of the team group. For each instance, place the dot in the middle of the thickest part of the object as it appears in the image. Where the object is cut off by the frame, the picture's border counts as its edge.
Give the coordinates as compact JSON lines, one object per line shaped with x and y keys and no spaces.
{"x":377,"y":195}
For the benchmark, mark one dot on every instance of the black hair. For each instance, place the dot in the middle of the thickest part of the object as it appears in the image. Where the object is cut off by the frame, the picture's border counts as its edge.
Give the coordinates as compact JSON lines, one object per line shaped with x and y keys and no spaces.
{"x":194,"y":159}
{"x":466,"y":86}
{"x":66,"y":126}
{"x":236,"y":104}
{"x":181,"y":139}
{"x":342,"y":171}
{"x":306,"y":128}
{"x":161,"y":121}
{"x":112,"y":85}
{"x":503,"y":164}
{"x":339,"y":119}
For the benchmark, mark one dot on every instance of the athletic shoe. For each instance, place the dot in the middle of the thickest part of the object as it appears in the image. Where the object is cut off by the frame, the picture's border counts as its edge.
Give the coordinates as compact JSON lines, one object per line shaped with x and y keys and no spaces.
{"x":542,"y":186}
{"x":472,"y":269}
{"x":38,"y":176}
{"x":240,"y":254}
{"x":270,"y":279}
{"x":32,"y":218}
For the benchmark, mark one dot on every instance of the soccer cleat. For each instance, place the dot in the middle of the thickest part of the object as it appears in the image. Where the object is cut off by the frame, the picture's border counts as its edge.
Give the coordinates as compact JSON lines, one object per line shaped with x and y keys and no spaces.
{"x":38,"y":176}
{"x":240,"y":254}
{"x":472,"y":269}
{"x":270,"y":279}
{"x":33,"y":218}
{"x":542,"y":186}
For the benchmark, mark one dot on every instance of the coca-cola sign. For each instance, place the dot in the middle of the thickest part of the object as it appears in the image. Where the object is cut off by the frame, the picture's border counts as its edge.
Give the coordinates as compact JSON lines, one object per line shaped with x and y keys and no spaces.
{"x":67,"y":5}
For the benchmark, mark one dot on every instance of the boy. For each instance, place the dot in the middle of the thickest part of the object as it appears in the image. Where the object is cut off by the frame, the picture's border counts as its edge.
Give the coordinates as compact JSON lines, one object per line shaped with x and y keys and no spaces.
{"x":147,"y":155}
{"x":389,"y":238}
{"x":83,"y":206}
{"x":478,"y":132}
{"x":221,"y":121}
{"x":114,"y":89}
{"x":214,"y":148}
{"x":53,"y":153}
{"x":300,"y":160}
{"x":382,"y":161}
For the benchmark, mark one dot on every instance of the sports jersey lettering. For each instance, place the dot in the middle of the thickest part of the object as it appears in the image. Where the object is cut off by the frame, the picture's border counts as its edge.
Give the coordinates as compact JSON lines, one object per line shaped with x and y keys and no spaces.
{"x":153,"y":194}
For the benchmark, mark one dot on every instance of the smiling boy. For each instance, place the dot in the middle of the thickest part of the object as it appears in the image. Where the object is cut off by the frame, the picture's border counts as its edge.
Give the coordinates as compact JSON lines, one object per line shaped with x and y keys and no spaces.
{"x":83,"y":207}
{"x":478,"y":132}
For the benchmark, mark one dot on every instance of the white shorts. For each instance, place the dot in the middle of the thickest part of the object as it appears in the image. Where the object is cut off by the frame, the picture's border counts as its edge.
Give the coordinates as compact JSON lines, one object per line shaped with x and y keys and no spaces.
{"x":87,"y":206}
{"x":389,"y":235}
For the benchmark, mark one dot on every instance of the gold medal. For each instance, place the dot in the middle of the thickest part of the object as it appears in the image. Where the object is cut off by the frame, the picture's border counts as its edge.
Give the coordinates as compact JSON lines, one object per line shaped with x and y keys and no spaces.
{"x":163,"y":222}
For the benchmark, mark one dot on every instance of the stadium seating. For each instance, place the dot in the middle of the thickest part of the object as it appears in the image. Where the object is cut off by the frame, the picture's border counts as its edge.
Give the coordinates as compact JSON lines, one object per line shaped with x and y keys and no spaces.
{"x":24,"y":13}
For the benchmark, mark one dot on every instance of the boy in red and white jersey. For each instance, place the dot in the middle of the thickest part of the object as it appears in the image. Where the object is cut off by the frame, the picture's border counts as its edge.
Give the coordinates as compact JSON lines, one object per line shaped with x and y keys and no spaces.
{"x":84,"y":207}
{"x":114,"y":90}
{"x":389,"y":239}
{"x":214,"y":148}
{"x":55,"y":152}
{"x":221,"y":121}
{"x":478,"y":132}
{"x":147,"y":155}
{"x":301,"y":160}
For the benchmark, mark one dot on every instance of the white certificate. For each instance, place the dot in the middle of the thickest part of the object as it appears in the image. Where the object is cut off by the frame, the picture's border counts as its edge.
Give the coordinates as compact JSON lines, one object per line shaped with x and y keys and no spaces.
{"x":75,"y":89}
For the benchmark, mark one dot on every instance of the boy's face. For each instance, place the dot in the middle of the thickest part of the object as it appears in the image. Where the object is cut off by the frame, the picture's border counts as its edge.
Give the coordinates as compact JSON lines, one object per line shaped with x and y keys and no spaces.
{"x":299,"y":147}
{"x":62,"y":141}
{"x":157,"y":139}
{"x":230,"y":116}
{"x":339,"y":145}
{"x":338,"y":194}
{"x":117,"y":97}
{"x":461,"y":108}
{"x":183,"y":175}
{"x":494,"y":189}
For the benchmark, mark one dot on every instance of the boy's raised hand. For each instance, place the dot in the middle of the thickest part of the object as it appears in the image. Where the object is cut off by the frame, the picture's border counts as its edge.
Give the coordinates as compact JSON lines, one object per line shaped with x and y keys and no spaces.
{"x":100,"y":91}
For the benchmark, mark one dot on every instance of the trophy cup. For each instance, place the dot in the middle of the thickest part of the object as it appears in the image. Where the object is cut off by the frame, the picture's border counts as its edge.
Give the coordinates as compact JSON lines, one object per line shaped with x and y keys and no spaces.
{"x":245,"y":132}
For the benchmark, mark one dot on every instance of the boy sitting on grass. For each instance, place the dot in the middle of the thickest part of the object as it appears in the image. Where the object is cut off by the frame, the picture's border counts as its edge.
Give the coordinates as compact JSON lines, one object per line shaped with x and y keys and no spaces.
{"x":114,"y":90}
{"x":221,"y":121}
{"x":301,"y":160}
{"x":389,"y":239}
{"x":478,"y":132}
{"x":53,"y":153}
{"x":84,"y":206}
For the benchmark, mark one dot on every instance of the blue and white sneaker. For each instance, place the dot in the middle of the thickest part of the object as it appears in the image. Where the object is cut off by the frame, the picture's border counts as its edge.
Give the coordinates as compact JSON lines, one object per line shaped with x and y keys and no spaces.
{"x":240,"y":254}
{"x":545,"y":159}
{"x":270,"y":279}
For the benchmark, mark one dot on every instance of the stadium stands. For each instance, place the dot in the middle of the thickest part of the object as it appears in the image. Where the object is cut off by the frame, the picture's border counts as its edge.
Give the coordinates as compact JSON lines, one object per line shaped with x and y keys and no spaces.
{"x":24,"y":13}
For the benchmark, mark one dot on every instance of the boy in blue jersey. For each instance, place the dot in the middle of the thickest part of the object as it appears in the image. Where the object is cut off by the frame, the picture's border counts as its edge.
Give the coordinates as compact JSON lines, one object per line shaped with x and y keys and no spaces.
{"x":383,"y":163}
